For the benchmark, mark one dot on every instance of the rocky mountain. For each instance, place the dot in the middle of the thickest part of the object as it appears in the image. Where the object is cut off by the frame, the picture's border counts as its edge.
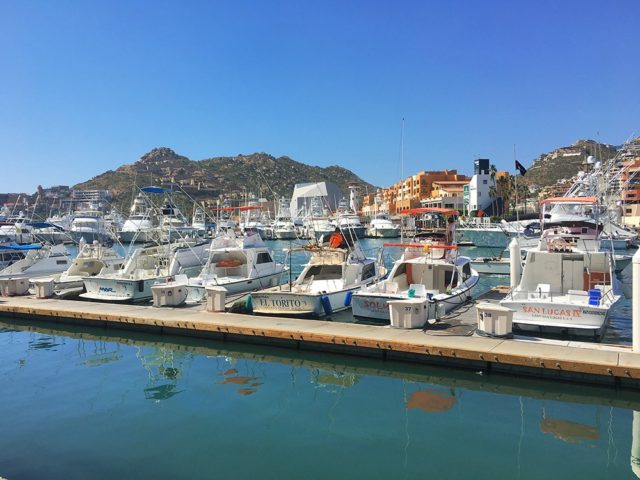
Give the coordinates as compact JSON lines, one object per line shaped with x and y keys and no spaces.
{"x":565,"y":162}
{"x":212,"y":178}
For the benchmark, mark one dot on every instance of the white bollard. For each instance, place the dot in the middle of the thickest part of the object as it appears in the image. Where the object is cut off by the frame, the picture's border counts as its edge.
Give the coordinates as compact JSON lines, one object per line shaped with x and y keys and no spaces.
{"x":635,"y":300}
{"x":515,"y":262}
{"x":635,"y":444}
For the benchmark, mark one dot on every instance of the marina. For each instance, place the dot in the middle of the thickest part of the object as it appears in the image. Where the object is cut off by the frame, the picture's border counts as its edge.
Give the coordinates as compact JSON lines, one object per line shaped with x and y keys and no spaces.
{"x":357,"y":240}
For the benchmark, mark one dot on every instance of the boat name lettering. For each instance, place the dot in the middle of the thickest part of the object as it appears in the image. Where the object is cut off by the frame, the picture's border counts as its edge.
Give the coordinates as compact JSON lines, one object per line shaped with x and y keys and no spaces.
{"x":107,"y":289}
{"x":280,"y":302}
{"x":553,"y":312}
{"x":375,"y":305}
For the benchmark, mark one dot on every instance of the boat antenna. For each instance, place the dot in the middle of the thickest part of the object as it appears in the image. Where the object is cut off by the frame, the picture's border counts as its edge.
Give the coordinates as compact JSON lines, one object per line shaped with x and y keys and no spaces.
{"x":516,"y":185}
{"x":401,"y":175}
{"x":290,"y":282}
{"x":402,"y":151}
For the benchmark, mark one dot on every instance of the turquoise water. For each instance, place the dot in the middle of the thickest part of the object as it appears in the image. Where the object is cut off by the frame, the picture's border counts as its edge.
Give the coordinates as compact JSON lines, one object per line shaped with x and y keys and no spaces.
{"x":83,"y":403}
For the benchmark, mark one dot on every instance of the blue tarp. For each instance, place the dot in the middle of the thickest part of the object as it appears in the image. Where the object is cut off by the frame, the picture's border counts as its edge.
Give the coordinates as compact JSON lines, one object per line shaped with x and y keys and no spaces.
{"x":15,"y":246}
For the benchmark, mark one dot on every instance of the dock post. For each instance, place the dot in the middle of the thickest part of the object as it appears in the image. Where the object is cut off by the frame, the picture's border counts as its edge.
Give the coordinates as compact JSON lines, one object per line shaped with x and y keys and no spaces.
{"x":635,"y":300}
{"x":635,"y":444}
{"x":515,"y":262}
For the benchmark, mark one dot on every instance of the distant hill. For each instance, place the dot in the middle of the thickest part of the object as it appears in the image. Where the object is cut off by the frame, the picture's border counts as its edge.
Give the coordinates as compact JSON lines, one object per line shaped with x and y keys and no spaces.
{"x":565,"y":162}
{"x":230,"y":177}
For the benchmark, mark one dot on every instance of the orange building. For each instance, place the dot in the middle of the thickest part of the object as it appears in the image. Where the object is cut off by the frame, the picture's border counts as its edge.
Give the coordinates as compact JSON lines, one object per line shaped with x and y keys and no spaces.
{"x":409,"y":192}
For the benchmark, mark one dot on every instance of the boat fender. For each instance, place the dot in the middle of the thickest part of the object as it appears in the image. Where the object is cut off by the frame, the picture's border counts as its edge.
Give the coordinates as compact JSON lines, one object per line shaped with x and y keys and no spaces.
{"x":326,"y":305}
{"x":248,"y":304}
{"x":347,"y":298}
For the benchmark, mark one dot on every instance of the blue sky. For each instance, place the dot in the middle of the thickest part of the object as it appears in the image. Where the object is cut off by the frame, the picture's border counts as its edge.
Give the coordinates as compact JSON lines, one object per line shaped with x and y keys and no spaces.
{"x":86,"y":86}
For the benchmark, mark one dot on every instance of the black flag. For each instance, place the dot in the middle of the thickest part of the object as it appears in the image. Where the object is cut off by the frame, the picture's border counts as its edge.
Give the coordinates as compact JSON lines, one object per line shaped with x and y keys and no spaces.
{"x":520,"y":168}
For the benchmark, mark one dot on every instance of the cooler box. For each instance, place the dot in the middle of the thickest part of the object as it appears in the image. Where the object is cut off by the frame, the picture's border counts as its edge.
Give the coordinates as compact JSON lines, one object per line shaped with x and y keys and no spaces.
{"x":44,"y":287}
{"x":409,"y":313}
{"x":16,"y":286}
{"x":595,"y":295}
{"x":216,"y":298}
{"x":494,"y":320}
{"x":169,"y":294}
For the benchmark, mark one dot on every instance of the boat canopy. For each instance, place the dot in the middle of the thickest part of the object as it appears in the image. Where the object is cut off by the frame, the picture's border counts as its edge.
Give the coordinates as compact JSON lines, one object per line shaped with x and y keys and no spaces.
{"x":574,"y":200}
{"x":15,"y":246}
{"x":440,"y":210}
{"x":152,"y":189}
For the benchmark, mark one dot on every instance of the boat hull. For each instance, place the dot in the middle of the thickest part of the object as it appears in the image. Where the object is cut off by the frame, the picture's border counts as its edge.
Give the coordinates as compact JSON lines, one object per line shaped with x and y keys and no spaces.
{"x":196,"y":292}
{"x":532,"y":315}
{"x":279,"y":302}
{"x":376,"y":305}
{"x":384,"y":232}
{"x":119,"y":290}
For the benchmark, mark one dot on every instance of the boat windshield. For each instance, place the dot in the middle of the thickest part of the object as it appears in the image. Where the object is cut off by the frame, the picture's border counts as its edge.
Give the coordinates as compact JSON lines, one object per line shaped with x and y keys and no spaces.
{"x":324,"y":272}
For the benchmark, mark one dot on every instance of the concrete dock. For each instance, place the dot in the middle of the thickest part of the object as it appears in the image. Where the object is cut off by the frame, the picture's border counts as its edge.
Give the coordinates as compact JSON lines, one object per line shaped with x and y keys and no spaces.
{"x":612,"y":365}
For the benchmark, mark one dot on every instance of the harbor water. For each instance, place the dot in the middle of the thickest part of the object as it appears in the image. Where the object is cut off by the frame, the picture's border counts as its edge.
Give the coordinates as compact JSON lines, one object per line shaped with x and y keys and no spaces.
{"x":80,"y":403}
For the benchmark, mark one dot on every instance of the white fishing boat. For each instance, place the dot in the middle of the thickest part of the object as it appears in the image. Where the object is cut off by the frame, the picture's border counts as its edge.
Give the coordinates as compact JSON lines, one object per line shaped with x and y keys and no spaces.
{"x":38,"y":262}
{"x":283,"y":227}
{"x":92,"y":259}
{"x":382,"y":227}
{"x":567,"y":284}
{"x":251,"y":221}
{"x":238,"y":264}
{"x":318,"y":227}
{"x":11,"y":252}
{"x":141,"y":224}
{"x":89,"y":224}
{"x":173,"y":225}
{"x":429,"y":268}
{"x":145,"y":267}
{"x":324,"y":286}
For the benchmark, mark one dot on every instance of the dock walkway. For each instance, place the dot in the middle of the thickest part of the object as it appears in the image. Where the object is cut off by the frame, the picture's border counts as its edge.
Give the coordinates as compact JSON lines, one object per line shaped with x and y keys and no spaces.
{"x":614,"y":365}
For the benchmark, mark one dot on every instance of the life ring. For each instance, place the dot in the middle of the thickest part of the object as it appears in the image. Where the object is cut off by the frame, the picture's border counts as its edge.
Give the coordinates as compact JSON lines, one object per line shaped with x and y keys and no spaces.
{"x":228,"y":263}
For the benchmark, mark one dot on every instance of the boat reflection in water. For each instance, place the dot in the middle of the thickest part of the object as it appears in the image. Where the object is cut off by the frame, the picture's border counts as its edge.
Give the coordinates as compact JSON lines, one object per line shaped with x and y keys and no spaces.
{"x":431,"y":401}
{"x":568,"y":431}
{"x":192,"y":404}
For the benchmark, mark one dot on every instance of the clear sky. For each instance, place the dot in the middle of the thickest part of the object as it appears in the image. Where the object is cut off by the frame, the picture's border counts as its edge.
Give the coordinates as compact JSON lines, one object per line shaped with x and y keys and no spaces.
{"x":86,"y":86}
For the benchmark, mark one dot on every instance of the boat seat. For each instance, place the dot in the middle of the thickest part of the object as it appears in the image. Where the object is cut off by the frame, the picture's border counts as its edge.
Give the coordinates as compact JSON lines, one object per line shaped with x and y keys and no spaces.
{"x":542,"y":291}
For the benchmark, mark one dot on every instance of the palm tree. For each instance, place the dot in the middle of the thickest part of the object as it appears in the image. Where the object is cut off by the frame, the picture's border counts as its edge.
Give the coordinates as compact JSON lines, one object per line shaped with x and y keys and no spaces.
{"x":492,"y":189}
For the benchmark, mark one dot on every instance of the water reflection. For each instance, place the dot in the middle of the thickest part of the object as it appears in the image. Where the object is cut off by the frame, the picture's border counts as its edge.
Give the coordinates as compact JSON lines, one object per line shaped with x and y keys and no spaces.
{"x":161,"y":392}
{"x":432,"y":400}
{"x":163,"y":367}
{"x":568,"y":431}
{"x":232,"y":377}
{"x":43,"y":343}
{"x":333,"y":379}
